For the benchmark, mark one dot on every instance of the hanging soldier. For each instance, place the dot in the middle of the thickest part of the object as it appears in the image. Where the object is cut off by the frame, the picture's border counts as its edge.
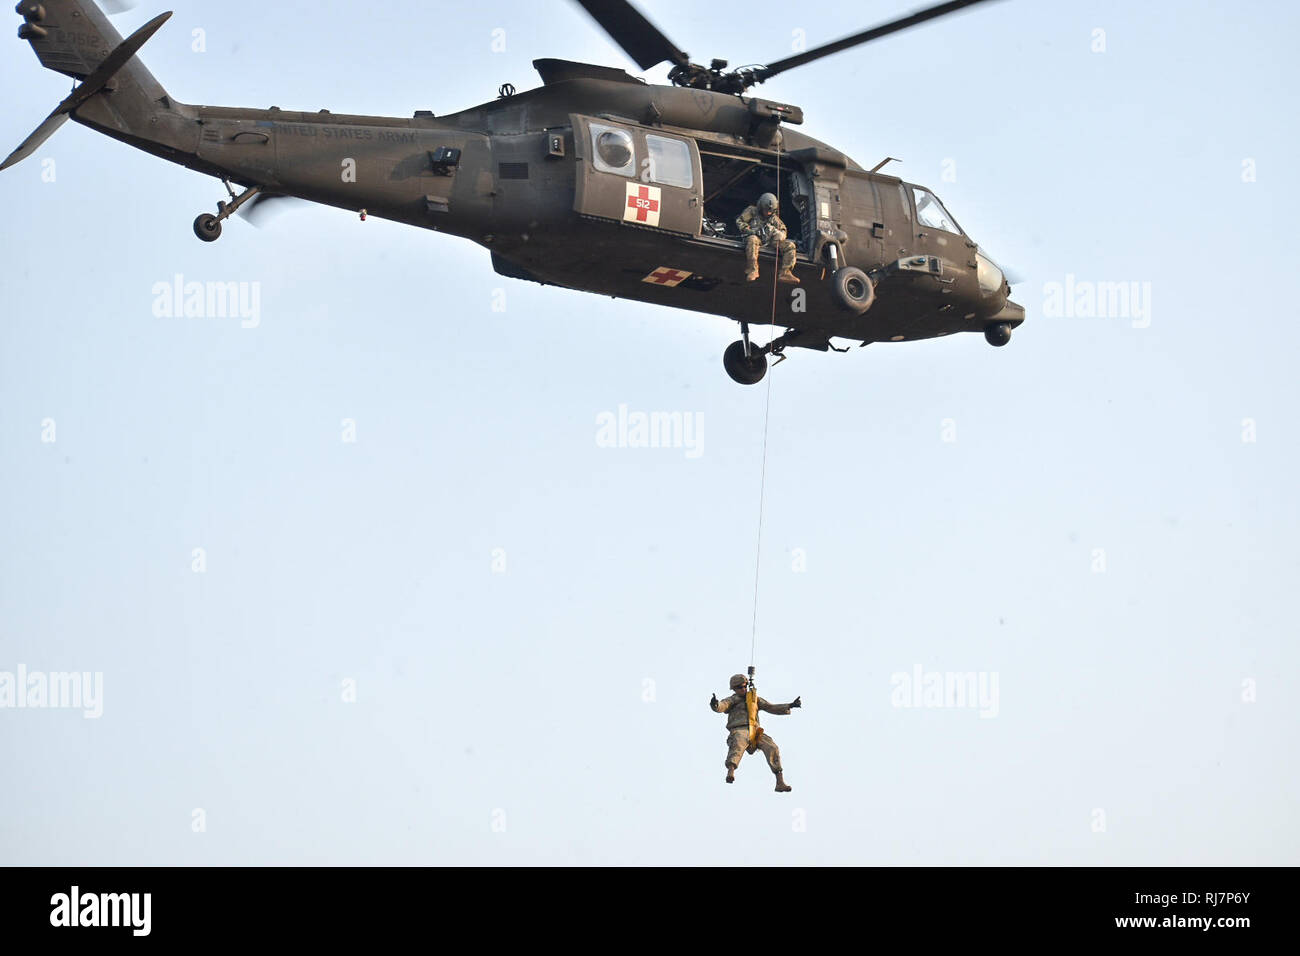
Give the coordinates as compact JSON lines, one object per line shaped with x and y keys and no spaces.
{"x":744,"y":735}
{"x":761,"y":226}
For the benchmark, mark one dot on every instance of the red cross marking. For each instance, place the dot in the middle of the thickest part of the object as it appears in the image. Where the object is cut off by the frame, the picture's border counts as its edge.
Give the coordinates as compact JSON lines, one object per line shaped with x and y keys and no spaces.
{"x":643,"y":204}
{"x":662,"y":275}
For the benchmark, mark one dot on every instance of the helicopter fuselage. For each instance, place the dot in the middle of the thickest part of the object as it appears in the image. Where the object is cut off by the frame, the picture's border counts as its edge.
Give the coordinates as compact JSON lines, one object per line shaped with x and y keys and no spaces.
{"x":521,"y":176}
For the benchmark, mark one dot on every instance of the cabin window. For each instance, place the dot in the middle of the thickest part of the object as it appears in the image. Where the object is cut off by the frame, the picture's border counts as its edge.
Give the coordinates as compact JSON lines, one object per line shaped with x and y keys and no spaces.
{"x":612,"y":150}
{"x":670,"y":161}
{"x":930,"y":212}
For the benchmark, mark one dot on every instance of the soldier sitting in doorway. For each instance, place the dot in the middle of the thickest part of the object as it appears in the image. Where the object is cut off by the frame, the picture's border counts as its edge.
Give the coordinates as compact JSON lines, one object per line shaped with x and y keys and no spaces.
{"x":761,"y":226}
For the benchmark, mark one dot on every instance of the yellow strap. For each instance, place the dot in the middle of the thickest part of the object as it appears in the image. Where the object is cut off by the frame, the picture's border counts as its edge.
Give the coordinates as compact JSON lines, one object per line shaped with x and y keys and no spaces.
{"x":751,"y":710}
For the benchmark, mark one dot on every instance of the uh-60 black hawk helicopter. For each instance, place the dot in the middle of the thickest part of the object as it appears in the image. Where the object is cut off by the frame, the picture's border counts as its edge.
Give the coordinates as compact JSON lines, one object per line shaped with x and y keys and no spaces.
{"x":595,"y":181}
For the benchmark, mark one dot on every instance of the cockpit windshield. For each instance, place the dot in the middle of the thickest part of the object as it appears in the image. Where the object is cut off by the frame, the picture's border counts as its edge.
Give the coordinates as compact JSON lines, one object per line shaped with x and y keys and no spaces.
{"x":930,"y":212}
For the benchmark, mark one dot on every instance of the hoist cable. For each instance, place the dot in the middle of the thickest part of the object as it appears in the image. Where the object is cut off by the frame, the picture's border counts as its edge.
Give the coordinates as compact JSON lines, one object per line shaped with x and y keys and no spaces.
{"x":767,"y":410}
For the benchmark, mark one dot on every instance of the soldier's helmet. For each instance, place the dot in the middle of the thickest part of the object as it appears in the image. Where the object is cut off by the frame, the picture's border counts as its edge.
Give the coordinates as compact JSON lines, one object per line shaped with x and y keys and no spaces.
{"x":767,"y":204}
{"x":737,"y":681}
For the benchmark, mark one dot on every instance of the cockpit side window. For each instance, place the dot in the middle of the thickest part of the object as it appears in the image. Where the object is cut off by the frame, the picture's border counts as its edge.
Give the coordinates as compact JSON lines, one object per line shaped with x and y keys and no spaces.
{"x":930,"y":212}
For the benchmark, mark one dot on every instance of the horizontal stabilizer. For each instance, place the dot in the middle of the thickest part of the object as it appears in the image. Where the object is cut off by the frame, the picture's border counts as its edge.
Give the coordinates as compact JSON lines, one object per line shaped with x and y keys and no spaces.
{"x":40,"y":135}
{"x":97,"y":80}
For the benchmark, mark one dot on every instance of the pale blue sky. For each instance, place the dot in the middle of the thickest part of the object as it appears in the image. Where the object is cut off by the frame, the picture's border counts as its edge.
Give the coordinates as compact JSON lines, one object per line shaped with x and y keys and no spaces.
{"x":522,"y":691}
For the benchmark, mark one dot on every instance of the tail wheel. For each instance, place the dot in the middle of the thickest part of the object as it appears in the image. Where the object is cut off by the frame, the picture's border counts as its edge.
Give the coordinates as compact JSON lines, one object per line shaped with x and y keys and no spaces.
{"x":746,"y":371}
{"x":207,"y":227}
{"x":854,"y":289}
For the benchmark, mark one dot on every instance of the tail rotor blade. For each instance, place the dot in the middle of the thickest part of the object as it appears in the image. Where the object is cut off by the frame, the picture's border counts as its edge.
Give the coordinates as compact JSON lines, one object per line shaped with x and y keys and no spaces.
{"x":263,"y":208}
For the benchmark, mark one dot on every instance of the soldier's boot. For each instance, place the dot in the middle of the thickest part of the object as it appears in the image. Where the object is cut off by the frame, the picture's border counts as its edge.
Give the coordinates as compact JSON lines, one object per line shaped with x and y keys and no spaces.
{"x":751,"y":258}
{"x":781,"y":785}
{"x":731,"y":773}
{"x":787,"y":265}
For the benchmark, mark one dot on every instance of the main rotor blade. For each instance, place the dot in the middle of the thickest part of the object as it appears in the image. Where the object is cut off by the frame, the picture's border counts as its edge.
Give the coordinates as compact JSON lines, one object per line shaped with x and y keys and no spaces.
{"x":639,"y":38}
{"x":816,"y":53}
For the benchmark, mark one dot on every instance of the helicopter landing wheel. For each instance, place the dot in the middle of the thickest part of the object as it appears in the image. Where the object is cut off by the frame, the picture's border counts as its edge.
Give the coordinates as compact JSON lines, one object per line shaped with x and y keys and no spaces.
{"x":854,"y":289}
{"x":207,"y":227}
{"x":746,"y":371}
{"x":998,"y":334}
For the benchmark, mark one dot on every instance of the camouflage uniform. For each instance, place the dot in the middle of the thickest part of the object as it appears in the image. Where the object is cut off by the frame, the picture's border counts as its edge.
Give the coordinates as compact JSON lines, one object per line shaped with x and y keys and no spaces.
{"x":767,"y":231}
{"x":738,"y":740}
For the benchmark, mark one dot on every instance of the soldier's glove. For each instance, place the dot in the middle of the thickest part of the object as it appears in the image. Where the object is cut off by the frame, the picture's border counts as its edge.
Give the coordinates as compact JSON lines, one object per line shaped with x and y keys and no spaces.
{"x":778,"y":235}
{"x":713,"y":701}
{"x":797,"y":702}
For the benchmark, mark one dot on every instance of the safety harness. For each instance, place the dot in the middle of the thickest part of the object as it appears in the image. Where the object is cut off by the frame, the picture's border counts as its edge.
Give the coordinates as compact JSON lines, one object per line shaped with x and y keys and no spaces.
{"x":751,"y":711}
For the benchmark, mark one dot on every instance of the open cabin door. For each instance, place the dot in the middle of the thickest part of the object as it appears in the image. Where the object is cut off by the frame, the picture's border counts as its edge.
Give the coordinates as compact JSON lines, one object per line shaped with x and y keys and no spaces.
{"x":640,"y":177}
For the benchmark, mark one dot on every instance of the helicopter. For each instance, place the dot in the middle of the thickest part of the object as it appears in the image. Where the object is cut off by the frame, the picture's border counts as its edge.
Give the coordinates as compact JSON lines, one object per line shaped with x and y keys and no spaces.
{"x":595,"y":181}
